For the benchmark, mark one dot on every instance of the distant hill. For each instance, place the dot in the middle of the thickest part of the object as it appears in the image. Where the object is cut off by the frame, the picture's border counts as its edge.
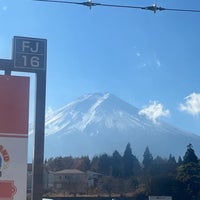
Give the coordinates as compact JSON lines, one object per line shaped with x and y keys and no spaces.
{"x":101,"y":123}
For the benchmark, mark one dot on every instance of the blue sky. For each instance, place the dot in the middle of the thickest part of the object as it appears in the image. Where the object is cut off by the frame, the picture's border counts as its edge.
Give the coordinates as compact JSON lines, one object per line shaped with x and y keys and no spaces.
{"x":149,"y":60}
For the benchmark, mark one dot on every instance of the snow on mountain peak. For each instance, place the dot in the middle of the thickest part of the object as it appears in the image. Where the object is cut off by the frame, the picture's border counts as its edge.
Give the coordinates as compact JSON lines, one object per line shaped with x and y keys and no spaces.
{"x":75,"y":115}
{"x":99,"y":110}
{"x":91,"y":114}
{"x":99,"y":123}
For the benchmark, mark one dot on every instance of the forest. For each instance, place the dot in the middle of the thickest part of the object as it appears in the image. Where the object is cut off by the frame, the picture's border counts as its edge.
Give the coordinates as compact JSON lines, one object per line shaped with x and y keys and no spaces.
{"x":127,"y":176}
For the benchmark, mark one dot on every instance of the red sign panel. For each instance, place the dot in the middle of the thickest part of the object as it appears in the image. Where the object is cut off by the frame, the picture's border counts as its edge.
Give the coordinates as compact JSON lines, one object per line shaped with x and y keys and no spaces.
{"x":14,"y":104}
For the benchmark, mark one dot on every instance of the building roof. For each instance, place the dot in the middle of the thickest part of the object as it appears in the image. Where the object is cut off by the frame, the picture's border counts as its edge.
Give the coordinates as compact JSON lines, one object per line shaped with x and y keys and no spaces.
{"x":69,"y":171}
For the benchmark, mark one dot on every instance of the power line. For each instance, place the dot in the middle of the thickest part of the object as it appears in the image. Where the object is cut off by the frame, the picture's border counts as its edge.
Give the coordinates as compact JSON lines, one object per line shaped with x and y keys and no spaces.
{"x":91,"y":4}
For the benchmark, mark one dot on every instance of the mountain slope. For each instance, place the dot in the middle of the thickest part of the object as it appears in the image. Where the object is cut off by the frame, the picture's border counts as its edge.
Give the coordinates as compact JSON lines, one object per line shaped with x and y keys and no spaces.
{"x":102,"y":123}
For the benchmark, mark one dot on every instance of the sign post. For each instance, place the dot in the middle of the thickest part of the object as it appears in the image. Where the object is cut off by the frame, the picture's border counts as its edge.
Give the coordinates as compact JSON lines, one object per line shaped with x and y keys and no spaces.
{"x":29,"y":55}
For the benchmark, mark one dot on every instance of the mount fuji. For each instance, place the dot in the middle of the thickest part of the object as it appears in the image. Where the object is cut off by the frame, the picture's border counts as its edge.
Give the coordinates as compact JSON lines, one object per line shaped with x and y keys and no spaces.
{"x":101,"y":123}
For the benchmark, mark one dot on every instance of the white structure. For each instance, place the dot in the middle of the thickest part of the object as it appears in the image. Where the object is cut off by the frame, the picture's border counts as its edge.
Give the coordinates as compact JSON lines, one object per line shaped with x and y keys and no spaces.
{"x":160,"y":198}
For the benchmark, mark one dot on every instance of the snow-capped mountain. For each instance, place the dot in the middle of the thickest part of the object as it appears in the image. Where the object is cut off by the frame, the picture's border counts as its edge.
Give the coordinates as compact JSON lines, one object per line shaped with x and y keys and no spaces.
{"x":101,"y":123}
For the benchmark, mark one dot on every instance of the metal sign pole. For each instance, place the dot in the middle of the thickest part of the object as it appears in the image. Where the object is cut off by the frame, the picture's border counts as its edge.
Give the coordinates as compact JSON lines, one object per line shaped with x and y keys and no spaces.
{"x":29,"y":55}
{"x":37,"y":183}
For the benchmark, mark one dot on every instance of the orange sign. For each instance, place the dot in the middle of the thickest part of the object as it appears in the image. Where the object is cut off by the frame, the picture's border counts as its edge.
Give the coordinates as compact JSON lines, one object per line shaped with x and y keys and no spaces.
{"x":14,"y":107}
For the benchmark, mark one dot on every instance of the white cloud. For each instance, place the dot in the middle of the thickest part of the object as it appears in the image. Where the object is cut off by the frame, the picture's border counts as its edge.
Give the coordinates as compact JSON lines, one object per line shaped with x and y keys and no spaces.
{"x":191,"y":104}
{"x":154,"y":110}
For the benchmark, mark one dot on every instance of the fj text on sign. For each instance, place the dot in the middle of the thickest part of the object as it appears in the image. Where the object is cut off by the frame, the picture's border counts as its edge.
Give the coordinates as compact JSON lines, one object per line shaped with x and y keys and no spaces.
{"x":29,"y":53}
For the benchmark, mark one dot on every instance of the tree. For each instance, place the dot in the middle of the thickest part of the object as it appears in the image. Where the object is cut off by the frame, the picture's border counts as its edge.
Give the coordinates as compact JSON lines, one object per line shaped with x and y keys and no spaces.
{"x":189,"y":175}
{"x":104,"y":164}
{"x":172,"y":160}
{"x":180,"y":161}
{"x":105,"y":185}
{"x":82,"y":163}
{"x":167,"y":186}
{"x":130,"y":163}
{"x":55,"y":164}
{"x":159,"y":167}
{"x":147,"y":159}
{"x":190,"y":155}
{"x":94,"y":166}
{"x":117,"y":164}
{"x":171,"y":166}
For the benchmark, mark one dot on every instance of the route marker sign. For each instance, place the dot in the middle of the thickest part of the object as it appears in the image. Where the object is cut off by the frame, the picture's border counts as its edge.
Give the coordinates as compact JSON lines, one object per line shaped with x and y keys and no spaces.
{"x":29,"y":53}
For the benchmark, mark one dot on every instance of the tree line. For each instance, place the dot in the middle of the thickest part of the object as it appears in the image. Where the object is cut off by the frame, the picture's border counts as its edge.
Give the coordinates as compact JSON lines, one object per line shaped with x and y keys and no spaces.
{"x":126,"y":175}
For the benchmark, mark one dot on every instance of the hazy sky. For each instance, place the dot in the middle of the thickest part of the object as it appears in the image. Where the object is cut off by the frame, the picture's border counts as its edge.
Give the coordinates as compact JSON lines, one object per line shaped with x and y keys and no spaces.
{"x":152,"y":61}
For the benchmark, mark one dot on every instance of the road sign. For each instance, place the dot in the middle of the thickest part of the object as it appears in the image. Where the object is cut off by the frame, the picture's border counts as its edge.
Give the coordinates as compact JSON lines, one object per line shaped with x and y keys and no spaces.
{"x":29,"y":53}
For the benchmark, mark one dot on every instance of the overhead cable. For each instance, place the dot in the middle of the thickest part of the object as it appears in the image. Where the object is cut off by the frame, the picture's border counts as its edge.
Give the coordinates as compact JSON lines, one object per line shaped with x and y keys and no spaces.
{"x":91,"y":4}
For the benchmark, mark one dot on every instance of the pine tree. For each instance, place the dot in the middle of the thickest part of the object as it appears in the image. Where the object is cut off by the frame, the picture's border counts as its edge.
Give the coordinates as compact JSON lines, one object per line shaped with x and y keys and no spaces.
{"x":190,"y":155}
{"x":128,"y":161}
{"x":104,"y":164}
{"x":180,"y":161}
{"x":189,"y":175}
{"x":116,"y":164}
{"x":131,"y":163}
{"x":147,"y":159}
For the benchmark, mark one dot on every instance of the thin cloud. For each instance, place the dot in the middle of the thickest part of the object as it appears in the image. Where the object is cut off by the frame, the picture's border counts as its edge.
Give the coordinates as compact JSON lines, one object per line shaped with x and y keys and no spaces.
{"x":157,"y":61}
{"x":191,"y":104}
{"x":154,"y":111}
{"x":147,"y":60}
